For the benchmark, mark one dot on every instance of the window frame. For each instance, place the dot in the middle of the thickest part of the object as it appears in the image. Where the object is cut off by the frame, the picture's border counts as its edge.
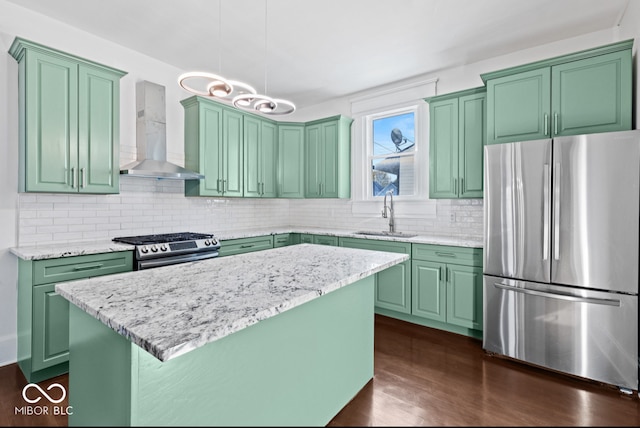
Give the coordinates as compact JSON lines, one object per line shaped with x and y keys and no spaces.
{"x":421,"y":149}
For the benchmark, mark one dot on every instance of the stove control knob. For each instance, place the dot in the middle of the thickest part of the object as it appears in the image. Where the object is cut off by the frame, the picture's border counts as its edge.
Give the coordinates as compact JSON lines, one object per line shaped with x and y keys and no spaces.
{"x":154,"y":248}
{"x":214,"y":241}
{"x":163,"y":247}
{"x":144,"y":249}
{"x":207,"y":242}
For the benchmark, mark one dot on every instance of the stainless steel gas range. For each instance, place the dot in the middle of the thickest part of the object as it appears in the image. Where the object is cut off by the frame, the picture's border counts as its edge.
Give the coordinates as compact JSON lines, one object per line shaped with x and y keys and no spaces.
{"x":170,"y":248}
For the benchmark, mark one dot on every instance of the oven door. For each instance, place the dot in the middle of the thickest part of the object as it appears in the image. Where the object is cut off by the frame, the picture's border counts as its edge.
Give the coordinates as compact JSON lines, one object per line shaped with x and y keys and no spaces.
{"x":172,"y":260}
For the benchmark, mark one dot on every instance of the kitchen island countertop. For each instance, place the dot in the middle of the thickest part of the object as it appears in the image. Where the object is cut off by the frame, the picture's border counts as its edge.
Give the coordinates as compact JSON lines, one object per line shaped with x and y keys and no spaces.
{"x":171,"y":310}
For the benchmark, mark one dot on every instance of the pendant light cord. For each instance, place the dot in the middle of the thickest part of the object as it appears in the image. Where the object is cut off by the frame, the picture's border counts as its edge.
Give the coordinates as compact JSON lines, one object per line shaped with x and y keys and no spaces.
{"x":220,"y":36}
{"x":265,"y":47}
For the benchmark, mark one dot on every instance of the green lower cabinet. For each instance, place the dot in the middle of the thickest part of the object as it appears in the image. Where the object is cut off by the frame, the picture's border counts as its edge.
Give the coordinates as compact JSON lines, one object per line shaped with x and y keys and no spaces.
{"x":282,"y":240}
{"x":448,"y":293}
{"x":429,"y":290}
{"x":50,"y":328}
{"x":43,"y":315}
{"x":393,"y":285}
{"x":308,"y":238}
{"x":232,"y":247}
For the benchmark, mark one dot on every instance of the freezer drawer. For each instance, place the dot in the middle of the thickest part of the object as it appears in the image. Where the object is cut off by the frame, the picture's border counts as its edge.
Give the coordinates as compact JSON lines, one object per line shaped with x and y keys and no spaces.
{"x":586,"y":333}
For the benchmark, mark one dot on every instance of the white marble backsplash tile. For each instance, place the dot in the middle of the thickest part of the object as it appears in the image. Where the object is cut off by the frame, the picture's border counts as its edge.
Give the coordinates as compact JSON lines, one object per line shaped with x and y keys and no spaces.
{"x":147,"y":205}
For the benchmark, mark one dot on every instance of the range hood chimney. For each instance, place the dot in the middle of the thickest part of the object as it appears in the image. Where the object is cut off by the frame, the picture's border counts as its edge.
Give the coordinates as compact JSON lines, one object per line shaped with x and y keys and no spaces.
{"x":151,"y":137}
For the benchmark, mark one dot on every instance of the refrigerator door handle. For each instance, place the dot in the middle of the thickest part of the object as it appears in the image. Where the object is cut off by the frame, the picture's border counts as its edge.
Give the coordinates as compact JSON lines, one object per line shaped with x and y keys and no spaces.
{"x":545,"y":214}
{"x":577,"y":299}
{"x":556,"y":214}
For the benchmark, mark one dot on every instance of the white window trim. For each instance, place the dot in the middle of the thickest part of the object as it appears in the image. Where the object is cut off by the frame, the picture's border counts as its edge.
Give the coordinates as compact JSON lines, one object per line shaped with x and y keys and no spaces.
{"x":366,"y":108}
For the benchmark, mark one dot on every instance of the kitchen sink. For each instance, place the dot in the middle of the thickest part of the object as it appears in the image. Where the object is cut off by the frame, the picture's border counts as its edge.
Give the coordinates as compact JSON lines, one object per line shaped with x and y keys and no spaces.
{"x":386,"y":233}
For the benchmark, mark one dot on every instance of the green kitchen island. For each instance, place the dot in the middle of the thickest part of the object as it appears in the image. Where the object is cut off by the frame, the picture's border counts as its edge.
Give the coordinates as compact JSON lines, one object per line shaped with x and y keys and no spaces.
{"x":283,"y":337}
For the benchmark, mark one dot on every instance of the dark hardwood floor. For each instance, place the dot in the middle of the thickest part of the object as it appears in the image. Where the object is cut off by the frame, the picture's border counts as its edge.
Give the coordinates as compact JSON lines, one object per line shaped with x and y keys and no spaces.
{"x":430,"y":377}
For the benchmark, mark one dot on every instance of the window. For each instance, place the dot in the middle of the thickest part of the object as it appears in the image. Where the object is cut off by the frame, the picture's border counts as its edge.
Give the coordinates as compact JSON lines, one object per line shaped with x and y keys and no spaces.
{"x":392,"y":153}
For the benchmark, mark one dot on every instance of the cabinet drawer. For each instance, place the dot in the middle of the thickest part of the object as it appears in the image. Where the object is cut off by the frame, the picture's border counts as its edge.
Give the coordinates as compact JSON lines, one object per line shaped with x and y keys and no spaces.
{"x":447,"y":254}
{"x":245,"y":245}
{"x":79,"y":267}
{"x":282,"y":240}
{"x":325,"y":240}
{"x":376,"y":245}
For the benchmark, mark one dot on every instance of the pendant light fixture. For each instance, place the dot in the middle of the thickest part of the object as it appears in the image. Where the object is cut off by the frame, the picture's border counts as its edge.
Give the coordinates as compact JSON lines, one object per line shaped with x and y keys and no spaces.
{"x":263,"y":103}
{"x":212,"y":85}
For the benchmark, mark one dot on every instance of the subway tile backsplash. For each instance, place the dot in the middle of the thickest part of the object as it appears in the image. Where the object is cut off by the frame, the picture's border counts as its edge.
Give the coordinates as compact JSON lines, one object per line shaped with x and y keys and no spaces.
{"x":147,"y":205}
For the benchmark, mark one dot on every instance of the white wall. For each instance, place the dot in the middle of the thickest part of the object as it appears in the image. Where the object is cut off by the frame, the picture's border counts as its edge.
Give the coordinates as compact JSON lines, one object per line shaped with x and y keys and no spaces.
{"x":32,"y":218}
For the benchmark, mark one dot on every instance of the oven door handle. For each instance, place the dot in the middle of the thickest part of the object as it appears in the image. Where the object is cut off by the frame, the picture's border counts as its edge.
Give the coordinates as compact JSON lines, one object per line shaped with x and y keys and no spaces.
{"x":165,"y":261}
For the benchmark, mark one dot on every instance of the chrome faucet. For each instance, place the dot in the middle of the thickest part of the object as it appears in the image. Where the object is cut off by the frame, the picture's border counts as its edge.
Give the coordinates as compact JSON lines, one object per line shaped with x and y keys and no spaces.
{"x":392,"y":224}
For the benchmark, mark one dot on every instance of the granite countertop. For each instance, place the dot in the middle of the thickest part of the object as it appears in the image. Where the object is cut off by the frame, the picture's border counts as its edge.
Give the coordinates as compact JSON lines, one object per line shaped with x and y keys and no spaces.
{"x":40,"y":252}
{"x":54,"y":251}
{"x":171,"y":310}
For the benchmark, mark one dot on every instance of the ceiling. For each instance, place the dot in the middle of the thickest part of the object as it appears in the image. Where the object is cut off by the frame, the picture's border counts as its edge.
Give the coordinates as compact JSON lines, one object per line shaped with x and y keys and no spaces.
{"x":310,"y":51}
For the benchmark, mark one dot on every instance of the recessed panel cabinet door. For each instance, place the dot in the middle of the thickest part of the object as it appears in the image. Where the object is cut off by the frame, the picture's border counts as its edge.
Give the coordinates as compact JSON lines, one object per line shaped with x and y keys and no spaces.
{"x":291,"y":161}
{"x":592,"y":95}
{"x":329,"y":184}
{"x":472,"y":136}
{"x":51,"y":128}
{"x":98,"y":142}
{"x":233,"y":174}
{"x":443,"y":149}
{"x":518,"y":107}
{"x":50,"y":327}
{"x":313,"y":161}
{"x":252,"y":176}
{"x":428,"y":297}
{"x":269,"y":159}
{"x":464,"y":296}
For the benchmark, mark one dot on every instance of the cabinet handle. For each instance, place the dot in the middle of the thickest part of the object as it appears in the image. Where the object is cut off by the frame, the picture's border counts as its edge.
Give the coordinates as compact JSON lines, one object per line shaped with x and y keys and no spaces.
{"x":455,"y":186}
{"x":546,"y":124}
{"x":83,"y":177}
{"x":218,"y":185}
{"x":448,"y":274}
{"x":73,"y":178}
{"x":462,"y":185}
{"x":246,"y":246}
{"x":89,"y":267}
{"x":319,"y":189}
{"x":224,"y":185}
{"x":438,"y":253}
{"x":440,"y":268}
{"x":555,"y":123}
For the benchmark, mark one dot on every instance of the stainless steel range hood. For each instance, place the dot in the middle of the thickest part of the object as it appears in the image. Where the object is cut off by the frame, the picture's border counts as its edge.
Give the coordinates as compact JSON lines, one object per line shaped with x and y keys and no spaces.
{"x":151,"y":138}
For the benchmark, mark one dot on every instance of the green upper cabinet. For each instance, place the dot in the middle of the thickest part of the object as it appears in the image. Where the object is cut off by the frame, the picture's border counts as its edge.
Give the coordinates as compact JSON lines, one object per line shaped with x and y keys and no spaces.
{"x":457,"y":138}
{"x":260,"y":157}
{"x":580,"y":93}
{"x":327,"y":154}
{"x":291,"y":160}
{"x":213,"y":146}
{"x":69,"y":110}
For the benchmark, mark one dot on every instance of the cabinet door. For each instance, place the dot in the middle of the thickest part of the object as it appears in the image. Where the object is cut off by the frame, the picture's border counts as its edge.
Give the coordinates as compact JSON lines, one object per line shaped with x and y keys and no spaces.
{"x":393,"y":285}
{"x":306,"y":238}
{"x":269,"y":159}
{"x":471,"y":140}
{"x":329,"y":153}
{"x":518,"y":107}
{"x":393,"y":288}
{"x":98,"y":131}
{"x":312,"y":161}
{"x":51,"y":123}
{"x":325,"y":240}
{"x":233,"y":175}
{"x":203,"y":148}
{"x":464,"y":296}
{"x":50,"y":327}
{"x":443,"y":149}
{"x":291,"y":161}
{"x":592,"y":95}
{"x":252,"y":176}
{"x":428,"y":297}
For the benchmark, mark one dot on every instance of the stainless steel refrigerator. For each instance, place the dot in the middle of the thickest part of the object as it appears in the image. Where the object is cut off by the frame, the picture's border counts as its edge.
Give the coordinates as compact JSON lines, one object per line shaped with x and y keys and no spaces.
{"x":561,"y":253}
